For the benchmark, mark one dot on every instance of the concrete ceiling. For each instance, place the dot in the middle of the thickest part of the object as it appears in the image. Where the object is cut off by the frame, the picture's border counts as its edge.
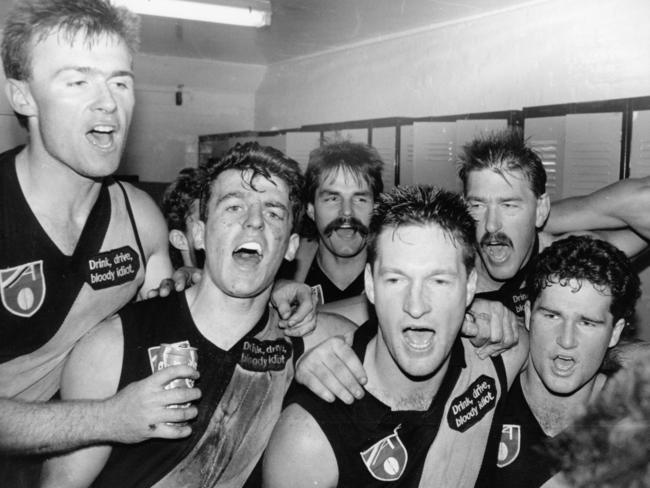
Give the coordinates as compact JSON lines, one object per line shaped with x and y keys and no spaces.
{"x":304,"y":27}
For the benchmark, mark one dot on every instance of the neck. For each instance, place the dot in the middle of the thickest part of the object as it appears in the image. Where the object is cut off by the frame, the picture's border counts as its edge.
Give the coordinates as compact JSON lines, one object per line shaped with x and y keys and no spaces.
{"x":485,"y":282}
{"x":388,"y":383}
{"x":557,"y":412}
{"x":342,"y":271}
{"x":60,"y":199}
{"x":222,"y":319}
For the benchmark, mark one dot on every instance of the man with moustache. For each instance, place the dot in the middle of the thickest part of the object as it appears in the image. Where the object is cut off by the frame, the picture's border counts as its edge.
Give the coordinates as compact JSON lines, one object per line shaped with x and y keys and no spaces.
{"x":250,"y":203}
{"x":427,"y":417}
{"x":343,"y":179}
{"x":504,"y":182}
{"x":582,"y":293}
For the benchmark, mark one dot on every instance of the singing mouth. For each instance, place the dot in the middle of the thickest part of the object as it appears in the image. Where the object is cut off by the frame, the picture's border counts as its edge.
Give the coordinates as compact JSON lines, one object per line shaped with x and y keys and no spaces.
{"x":419,"y":338}
{"x":102,"y":136}
{"x":248,"y":253}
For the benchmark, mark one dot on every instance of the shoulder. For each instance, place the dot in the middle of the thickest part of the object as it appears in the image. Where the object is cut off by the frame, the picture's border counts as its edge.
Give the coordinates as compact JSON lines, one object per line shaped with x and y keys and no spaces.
{"x":515,"y":359}
{"x":299,"y":453}
{"x":148,"y":216}
{"x":95,"y":364}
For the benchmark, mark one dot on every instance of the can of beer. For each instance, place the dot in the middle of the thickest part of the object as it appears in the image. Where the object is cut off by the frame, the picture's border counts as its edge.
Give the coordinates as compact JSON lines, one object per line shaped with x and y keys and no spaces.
{"x":173,"y":354}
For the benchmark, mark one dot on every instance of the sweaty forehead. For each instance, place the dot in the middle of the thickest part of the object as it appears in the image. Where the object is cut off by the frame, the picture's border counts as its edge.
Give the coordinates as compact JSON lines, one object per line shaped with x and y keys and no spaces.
{"x":342,"y":176}
{"x":247,"y":182}
{"x":486,"y":181}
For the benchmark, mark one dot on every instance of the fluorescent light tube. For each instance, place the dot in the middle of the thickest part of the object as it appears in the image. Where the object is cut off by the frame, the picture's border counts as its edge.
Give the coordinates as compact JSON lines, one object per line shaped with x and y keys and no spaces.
{"x":203,"y":12}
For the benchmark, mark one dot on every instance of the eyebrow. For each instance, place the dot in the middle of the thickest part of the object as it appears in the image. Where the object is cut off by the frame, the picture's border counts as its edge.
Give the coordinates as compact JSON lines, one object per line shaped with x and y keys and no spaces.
{"x":582,"y":317}
{"x":240,"y":194}
{"x":87,"y":70}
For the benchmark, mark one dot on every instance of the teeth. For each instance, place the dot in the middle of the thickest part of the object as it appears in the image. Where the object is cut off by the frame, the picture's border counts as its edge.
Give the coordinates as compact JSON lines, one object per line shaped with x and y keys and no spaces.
{"x":563,"y":363}
{"x":250,"y":247}
{"x":419,"y":338}
{"x":103,"y":128}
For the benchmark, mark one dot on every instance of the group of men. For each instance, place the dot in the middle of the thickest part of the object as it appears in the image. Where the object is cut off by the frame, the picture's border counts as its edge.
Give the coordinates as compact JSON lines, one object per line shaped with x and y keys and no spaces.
{"x":435,"y":413}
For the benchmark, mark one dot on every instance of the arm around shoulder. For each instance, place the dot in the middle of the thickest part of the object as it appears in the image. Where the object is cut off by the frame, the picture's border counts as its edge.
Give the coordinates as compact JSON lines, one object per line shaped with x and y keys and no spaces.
{"x":92,"y":372}
{"x":299,"y":454}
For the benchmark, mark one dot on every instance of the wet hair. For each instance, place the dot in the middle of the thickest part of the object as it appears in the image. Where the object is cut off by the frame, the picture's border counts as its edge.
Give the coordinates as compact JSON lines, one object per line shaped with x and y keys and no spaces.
{"x":503,"y":152}
{"x":179,"y":196}
{"x":608,"y":446}
{"x":263,"y":161}
{"x":587,"y":260}
{"x":425,"y":205}
{"x":177,"y":206}
{"x":31,"y":21}
{"x":361,"y":161}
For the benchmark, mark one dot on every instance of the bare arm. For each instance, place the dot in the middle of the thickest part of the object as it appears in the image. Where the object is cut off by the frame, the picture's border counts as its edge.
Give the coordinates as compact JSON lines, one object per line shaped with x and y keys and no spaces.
{"x":299,"y":454}
{"x":153,"y":234}
{"x":619,"y":205}
{"x":92,"y":372}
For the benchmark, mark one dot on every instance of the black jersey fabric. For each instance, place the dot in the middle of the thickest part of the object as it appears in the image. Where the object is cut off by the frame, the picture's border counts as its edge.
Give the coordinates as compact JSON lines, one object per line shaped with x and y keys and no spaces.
{"x":442,"y":446}
{"x":225,"y":442}
{"x":522,"y":460}
{"x":49,"y":299}
{"x":321,"y":284}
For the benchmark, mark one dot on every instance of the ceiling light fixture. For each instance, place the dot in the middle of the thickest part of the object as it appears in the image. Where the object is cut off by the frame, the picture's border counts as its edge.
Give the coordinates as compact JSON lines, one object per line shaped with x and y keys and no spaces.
{"x":250,"y":13}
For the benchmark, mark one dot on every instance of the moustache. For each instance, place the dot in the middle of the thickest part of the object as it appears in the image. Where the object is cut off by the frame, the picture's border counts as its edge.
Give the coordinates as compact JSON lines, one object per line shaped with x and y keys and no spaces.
{"x":499,"y":238}
{"x":349,"y":222}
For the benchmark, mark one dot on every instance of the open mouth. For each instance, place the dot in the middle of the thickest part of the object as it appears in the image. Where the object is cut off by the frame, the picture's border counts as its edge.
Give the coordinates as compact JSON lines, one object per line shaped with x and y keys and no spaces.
{"x":346,"y":232}
{"x":419,"y":338}
{"x":101,"y":136}
{"x":563,"y":364}
{"x":497,"y":251}
{"x":248,"y":253}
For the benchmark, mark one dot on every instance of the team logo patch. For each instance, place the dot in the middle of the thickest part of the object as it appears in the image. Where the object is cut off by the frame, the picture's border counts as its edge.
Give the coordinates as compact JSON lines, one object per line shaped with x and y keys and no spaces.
{"x":317,"y":294}
{"x":509,"y":444}
{"x":23,"y":288}
{"x":470,"y":407}
{"x":112,"y":268}
{"x":386,"y":459}
{"x":261,"y":356}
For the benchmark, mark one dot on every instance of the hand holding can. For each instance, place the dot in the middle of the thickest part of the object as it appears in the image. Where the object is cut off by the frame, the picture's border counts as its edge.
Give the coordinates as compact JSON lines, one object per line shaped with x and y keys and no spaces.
{"x":174,"y":354}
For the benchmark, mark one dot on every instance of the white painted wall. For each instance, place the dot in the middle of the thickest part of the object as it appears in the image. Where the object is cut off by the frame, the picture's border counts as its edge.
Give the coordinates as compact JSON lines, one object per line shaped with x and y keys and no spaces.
{"x":217,"y":97}
{"x":555,"y":51}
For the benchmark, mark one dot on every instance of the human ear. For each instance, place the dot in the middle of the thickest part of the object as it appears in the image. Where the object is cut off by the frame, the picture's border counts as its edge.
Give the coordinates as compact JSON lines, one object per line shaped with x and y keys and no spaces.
{"x":178,"y":240}
{"x":292,"y":248}
{"x":542,"y":211}
{"x":20,"y":97}
{"x":369,"y":284}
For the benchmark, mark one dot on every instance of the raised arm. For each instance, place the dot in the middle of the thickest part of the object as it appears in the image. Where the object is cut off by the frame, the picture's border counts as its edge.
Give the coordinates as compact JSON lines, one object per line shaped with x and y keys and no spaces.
{"x":621,"y":204}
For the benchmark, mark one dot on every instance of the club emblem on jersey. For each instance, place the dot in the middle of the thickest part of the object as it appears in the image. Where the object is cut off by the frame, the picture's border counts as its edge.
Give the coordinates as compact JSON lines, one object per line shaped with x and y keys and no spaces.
{"x":23,"y":288}
{"x":386,"y":459}
{"x":509,"y":444}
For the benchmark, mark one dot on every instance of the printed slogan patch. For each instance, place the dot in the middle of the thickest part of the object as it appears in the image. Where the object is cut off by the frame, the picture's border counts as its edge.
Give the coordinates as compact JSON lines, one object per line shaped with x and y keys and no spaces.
{"x":112,"y":268}
{"x":261,"y":356}
{"x":470,"y":407}
{"x":23,"y":288}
